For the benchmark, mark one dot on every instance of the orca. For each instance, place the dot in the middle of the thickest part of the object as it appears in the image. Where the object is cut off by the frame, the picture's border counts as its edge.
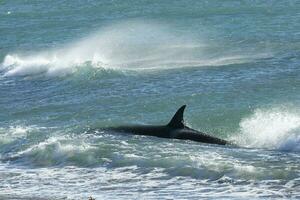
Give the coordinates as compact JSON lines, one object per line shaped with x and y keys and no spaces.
{"x":175,"y":129}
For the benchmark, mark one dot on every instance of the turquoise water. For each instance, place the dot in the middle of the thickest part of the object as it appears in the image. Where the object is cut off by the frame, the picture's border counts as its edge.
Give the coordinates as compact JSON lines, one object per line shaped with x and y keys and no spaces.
{"x":68,"y":66}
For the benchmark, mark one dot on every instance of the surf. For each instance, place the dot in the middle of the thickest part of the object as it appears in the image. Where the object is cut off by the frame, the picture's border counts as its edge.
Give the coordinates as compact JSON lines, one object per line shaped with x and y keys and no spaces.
{"x":276,"y":128}
{"x":129,"y":45}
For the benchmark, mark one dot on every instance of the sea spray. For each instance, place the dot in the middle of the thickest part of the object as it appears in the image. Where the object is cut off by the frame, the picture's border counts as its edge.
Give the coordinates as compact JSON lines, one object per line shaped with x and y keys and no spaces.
{"x":129,"y":45}
{"x":276,"y":128}
{"x":65,"y":64}
{"x":13,"y":133}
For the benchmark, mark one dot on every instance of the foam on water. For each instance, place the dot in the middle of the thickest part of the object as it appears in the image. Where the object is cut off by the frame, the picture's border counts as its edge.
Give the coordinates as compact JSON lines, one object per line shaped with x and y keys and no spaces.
{"x":130,"y":45}
{"x":167,"y":167}
{"x":277,"y":128}
{"x":46,"y":151}
{"x":58,"y":150}
{"x":113,"y":163}
{"x":14,"y":132}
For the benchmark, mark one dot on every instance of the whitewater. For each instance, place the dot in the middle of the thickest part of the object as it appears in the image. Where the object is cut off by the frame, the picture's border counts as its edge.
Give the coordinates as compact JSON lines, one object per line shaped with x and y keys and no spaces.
{"x":67,"y":68}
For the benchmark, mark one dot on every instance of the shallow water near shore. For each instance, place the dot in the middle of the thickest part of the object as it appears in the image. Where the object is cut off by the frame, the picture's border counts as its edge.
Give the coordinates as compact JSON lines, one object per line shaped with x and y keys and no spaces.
{"x":68,"y":67}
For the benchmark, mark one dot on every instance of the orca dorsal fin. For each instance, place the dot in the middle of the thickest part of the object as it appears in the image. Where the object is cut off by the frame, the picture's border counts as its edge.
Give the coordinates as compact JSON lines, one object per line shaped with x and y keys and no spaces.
{"x":177,"y":120}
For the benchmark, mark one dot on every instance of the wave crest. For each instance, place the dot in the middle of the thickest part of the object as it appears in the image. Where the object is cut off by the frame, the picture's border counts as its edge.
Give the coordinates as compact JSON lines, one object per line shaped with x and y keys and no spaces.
{"x":13,"y":133}
{"x":58,"y":150}
{"x":276,"y":128}
{"x":131,"y":45}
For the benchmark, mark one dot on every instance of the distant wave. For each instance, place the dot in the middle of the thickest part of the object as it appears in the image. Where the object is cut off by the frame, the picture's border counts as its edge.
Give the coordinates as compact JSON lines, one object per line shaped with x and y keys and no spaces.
{"x":131,"y":45}
{"x":277,"y":128}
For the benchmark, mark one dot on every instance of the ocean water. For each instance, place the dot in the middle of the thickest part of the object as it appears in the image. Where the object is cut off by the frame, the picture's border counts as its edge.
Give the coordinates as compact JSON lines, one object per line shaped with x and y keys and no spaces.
{"x":69,"y":66}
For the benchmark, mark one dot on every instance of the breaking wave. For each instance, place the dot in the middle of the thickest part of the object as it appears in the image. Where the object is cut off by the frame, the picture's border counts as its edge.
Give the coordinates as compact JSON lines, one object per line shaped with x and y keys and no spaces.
{"x":58,"y":150}
{"x":277,"y":128}
{"x":131,"y":45}
{"x":15,"y":132}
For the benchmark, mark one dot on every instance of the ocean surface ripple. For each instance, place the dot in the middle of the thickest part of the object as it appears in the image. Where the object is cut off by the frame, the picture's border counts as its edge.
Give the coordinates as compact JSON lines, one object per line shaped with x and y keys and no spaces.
{"x":67,"y":68}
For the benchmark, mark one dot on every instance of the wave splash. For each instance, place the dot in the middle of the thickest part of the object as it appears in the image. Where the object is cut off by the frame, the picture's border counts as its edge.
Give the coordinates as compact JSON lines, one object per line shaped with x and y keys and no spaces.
{"x":13,"y":133}
{"x":58,"y":150}
{"x":131,"y":45}
{"x":276,"y":128}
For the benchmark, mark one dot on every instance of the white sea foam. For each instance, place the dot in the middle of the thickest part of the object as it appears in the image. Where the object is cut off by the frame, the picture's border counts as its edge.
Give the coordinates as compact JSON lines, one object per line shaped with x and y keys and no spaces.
{"x":58,"y":149}
{"x":277,"y":128}
{"x":14,"y":132}
{"x":131,"y":45}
